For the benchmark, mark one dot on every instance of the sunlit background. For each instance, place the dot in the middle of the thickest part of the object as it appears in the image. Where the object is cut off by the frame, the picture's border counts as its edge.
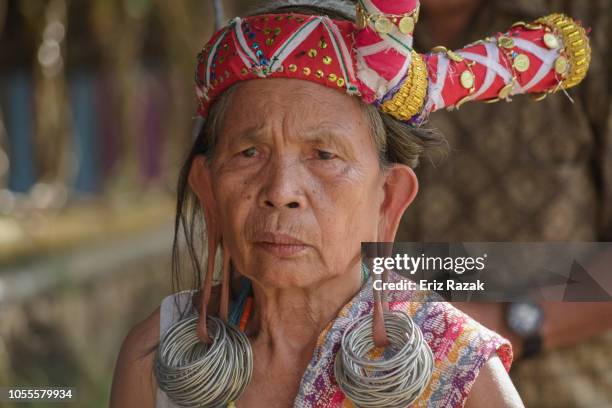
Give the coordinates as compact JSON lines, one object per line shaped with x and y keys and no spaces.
{"x":96,"y":113}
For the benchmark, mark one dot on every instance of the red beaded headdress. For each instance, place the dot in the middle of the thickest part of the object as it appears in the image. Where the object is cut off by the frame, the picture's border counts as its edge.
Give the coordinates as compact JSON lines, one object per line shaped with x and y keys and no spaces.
{"x":374,"y":59}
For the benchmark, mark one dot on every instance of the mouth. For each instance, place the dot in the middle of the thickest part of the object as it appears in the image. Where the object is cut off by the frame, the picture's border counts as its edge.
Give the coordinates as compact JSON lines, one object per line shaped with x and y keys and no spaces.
{"x":280,"y":245}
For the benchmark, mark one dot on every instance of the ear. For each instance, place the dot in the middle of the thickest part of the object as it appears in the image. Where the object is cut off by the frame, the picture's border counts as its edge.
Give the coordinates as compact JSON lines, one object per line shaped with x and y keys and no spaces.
{"x":400,"y":188}
{"x":200,"y":183}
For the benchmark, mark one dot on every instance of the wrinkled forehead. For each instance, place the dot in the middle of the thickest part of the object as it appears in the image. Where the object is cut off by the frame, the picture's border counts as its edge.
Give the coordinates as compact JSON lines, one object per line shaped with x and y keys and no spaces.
{"x":261,"y":98}
{"x":296,"y":108}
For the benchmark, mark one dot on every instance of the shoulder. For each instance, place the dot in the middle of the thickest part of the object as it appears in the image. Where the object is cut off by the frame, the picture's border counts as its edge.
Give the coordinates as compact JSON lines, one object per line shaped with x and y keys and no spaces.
{"x":493,"y":387}
{"x":450,"y":332}
{"x":462,"y":347}
{"x":453,"y":335}
{"x":133,"y":380}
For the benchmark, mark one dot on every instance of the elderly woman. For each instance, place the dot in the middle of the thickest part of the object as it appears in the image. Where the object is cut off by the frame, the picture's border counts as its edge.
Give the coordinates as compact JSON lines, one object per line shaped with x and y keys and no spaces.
{"x":292,"y":173}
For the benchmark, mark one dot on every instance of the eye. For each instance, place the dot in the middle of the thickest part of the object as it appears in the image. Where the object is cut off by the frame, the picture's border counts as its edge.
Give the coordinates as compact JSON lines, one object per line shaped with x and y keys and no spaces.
{"x":324,"y":155}
{"x":250,"y":152}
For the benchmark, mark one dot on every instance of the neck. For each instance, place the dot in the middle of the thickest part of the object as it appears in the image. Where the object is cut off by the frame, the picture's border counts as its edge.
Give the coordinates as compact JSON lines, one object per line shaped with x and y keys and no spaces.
{"x":288,"y":321}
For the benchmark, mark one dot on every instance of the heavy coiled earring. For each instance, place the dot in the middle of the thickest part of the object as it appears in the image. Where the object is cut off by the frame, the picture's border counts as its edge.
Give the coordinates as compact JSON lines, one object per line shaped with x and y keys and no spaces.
{"x":203,"y":361}
{"x":402,"y":373}
{"x":397,"y":379}
{"x":195,"y":374}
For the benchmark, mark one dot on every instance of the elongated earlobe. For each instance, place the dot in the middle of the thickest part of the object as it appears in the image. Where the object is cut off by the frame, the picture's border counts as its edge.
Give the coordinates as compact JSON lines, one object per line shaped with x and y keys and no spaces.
{"x":400,"y":187}
{"x":225,"y":285}
{"x":200,"y":183}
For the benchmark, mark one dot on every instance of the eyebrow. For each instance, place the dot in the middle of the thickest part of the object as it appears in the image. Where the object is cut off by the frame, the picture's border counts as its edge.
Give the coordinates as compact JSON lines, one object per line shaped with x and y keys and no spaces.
{"x":255,"y":134}
{"x":319,"y":136}
{"x":329,"y":137}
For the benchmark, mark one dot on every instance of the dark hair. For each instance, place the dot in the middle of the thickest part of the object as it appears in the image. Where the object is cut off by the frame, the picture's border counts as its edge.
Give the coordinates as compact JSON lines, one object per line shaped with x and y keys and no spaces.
{"x":397,"y":142}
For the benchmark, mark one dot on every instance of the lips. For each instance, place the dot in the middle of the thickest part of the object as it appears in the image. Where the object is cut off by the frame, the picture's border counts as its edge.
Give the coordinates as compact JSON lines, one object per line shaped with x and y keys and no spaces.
{"x":280,"y":245}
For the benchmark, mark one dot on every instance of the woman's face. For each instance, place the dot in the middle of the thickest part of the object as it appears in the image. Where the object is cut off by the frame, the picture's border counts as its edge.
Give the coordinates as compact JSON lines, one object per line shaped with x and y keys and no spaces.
{"x":296,"y":181}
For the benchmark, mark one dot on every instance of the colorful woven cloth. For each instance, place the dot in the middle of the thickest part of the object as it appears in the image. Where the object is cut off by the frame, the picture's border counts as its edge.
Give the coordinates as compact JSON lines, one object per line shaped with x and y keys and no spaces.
{"x":460,"y":345}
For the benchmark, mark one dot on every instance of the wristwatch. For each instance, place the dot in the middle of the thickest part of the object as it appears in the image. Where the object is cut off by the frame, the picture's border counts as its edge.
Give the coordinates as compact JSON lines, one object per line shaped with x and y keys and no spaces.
{"x":525,"y":319}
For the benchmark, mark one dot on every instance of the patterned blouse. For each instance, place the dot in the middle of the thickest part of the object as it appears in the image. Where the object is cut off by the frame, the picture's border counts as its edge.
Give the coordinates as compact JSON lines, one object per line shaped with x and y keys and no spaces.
{"x":460,"y":346}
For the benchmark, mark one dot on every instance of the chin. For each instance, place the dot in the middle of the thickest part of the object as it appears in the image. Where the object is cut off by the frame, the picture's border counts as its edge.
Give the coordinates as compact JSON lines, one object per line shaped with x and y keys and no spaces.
{"x":283,"y":274}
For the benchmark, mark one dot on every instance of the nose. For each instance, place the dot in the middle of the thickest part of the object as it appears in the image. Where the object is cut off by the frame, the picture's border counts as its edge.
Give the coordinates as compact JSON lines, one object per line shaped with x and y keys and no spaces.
{"x":282,"y":185}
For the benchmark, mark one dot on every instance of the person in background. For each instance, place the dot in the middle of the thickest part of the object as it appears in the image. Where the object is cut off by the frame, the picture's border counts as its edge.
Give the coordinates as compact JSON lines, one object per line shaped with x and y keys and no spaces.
{"x":541,"y":171}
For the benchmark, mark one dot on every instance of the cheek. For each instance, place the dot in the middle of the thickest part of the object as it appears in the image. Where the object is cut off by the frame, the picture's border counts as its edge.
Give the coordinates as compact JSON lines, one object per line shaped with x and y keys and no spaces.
{"x":349,"y":212}
{"x":235,"y":196}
